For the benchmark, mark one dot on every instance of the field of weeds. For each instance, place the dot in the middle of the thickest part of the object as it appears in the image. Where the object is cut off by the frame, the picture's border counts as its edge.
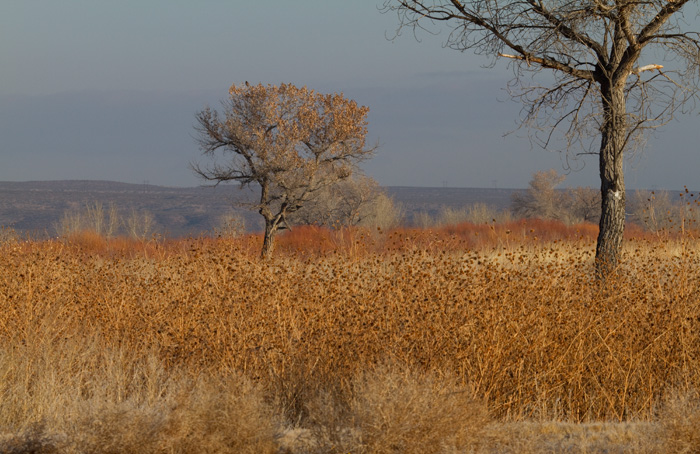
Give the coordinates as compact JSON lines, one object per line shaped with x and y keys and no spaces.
{"x":463,"y":339}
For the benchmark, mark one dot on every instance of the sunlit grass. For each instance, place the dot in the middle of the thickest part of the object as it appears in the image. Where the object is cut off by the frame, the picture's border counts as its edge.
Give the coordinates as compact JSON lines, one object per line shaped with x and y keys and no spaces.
{"x":173,"y":346}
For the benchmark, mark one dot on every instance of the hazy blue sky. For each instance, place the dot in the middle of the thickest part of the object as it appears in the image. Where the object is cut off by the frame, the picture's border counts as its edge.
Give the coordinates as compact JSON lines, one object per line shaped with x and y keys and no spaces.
{"x":103,"y":89}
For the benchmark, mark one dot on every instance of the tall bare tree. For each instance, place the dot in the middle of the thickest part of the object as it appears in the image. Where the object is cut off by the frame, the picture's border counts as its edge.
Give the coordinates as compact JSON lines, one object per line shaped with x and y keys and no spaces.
{"x":608,"y":85}
{"x":289,"y":142}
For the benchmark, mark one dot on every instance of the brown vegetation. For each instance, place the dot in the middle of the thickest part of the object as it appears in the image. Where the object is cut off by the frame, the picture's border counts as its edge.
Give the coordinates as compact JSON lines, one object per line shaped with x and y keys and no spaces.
{"x":400,"y":341}
{"x":288,"y":143}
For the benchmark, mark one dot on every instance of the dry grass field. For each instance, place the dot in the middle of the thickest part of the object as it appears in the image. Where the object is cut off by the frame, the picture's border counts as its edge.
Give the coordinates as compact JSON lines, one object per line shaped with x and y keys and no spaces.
{"x":463,"y":339}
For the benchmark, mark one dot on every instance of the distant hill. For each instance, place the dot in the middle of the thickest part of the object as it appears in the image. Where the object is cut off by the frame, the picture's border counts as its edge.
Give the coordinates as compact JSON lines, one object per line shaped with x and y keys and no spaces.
{"x":432,"y":199}
{"x":37,"y":206}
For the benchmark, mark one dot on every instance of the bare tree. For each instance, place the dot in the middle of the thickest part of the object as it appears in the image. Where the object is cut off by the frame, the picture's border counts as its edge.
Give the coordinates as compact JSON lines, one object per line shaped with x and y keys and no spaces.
{"x":8,"y":235}
{"x":660,"y":210}
{"x":608,"y":86}
{"x":423,"y":220}
{"x":71,"y":222}
{"x":95,"y":217}
{"x":102,"y":221}
{"x":476,"y":213}
{"x":355,"y":201}
{"x":541,"y":199}
{"x":141,"y":224}
{"x":230,"y":225}
{"x":289,"y":142}
{"x":385,"y":212}
{"x":481,"y":213}
{"x":585,"y":204}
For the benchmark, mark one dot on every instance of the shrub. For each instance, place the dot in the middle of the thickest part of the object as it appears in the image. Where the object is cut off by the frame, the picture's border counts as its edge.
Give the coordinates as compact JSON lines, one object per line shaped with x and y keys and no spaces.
{"x":393,"y":409}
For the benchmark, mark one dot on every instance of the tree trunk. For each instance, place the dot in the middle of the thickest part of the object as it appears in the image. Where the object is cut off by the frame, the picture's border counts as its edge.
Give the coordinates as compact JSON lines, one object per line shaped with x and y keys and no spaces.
{"x":612,"y":181}
{"x":268,"y":239}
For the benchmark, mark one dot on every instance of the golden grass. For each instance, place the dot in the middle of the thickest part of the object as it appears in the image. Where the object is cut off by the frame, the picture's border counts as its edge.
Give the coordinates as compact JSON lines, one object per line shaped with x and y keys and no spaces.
{"x":198,"y":346}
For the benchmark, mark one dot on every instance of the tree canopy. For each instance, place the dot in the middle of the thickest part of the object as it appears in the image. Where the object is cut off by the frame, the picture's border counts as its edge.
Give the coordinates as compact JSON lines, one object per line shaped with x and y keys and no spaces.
{"x":286,"y":141}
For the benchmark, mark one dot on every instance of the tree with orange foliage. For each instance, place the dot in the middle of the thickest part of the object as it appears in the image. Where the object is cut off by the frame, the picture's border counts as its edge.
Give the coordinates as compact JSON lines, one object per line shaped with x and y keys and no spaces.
{"x":290,"y":142}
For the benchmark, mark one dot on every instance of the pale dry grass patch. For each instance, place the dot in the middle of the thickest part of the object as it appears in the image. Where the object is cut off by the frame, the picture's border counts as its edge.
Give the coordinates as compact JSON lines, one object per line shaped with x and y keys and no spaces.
{"x":680,"y":422}
{"x":557,"y":437}
{"x":394,"y":409}
{"x":69,"y":397}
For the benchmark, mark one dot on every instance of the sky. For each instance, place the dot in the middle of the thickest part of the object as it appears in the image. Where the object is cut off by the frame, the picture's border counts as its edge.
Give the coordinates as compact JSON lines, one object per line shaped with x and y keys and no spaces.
{"x":108,"y":90}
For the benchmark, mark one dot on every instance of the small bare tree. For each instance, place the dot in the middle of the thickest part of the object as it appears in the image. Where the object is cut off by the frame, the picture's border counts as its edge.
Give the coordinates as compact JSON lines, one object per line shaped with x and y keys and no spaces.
{"x":103,"y":221}
{"x":385,"y":212}
{"x":585,"y":204}
{"x":8,"y":235}
{"x":230,"y":225}
{"x":423,"y":220}
{"x":141,"y":224}
{"x":607,"y":87}
{"x":476,"y":213}
{"x":659,"y":210}
{"x":95,"y":218}
{"x":289,"y":142}
{"x":71,"y":222}
{"x":481,"y":213}
{"x":541,"y":199}
{"x":355,"y":201}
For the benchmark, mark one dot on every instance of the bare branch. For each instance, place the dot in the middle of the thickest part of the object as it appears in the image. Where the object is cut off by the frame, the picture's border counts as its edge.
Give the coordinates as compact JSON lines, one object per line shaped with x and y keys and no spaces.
{"x":602,"y":88}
